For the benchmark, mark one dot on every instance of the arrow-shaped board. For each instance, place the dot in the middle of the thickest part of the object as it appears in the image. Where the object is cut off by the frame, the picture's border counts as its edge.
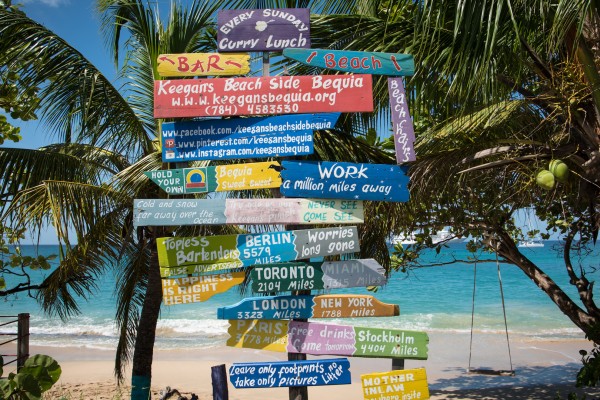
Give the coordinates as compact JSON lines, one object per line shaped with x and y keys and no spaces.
{"x":398,"y":384}
{"x":241,"y":138}
{"x":285,"y":277}
{"x":402,"y":125}
{"x":198,"y":288}
{"x":203,"y":64}
{"x":362,"y":62}
{"x":260,"y":175}
{"x":169,"y":212}
{"x":327,"y":339}
{"x":308,"y":306}
{"x":340,"y":180}
{"x":256,"y":248}
{"x":290,"y":373}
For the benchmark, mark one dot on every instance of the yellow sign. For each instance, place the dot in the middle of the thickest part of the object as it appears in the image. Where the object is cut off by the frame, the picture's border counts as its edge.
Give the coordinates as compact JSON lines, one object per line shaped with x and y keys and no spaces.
{"x":407,"y":384}
{"x":195,"y":289}
{"x":248,"y":176}
{"x":203,"y":64}
{"x":258,"y":334}
{"x":351,"y":305}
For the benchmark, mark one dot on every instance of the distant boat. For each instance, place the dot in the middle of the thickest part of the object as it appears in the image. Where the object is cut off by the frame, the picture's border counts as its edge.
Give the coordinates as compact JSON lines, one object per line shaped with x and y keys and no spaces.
{"x":442,"y":236}
{"x":531,"y":243}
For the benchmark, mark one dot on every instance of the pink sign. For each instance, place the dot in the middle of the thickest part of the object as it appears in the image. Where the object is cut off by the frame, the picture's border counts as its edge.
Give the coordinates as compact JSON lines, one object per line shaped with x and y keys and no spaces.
{"x":262,"y":95}
{"x":317,"y":339}
{"x":404,"y":133}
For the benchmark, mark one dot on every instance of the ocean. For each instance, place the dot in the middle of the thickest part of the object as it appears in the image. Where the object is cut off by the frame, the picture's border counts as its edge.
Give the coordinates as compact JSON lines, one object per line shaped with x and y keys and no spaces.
{"x":436,"y":299}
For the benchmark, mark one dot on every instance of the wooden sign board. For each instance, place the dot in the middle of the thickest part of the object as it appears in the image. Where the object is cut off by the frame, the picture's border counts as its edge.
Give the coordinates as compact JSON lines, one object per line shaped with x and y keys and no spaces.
{"x":201,"y":269}
{"x":404,"y":133}
{"x":221,"y":178}
{"x":169,"y":212}
{"x":361,"y":62}
{"x":263,"y":30}
{"x":198,"y":288}
{"x":239,"y":138}
{"x":256,"y":248}
{"x":285,"y":277}
{"x":342,"y":180}
{"x":262,"y":95}
{"x":203,"y":64}
{"x":399,"y":384}
{"x":308,"y":306}
{"x":290,"y":373}
{"x":327,"y":339}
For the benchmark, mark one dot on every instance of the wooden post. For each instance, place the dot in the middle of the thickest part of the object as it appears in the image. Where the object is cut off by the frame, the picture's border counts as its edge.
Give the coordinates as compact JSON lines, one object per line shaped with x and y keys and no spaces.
{"x":22,"y":340}
{"x":397,"y":363}
{"x":218,"y":375}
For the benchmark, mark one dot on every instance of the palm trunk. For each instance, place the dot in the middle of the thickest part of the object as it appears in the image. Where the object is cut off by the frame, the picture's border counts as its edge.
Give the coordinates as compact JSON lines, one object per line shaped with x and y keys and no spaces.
{"x":141,"y":375}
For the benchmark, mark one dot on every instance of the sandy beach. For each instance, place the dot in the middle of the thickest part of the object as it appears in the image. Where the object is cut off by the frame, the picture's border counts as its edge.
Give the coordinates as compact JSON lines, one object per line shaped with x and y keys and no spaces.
{"x":543,"y":369}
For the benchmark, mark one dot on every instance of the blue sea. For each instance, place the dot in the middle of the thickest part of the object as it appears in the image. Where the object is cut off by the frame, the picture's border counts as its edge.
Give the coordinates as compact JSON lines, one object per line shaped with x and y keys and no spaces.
{"x":435,"y":299}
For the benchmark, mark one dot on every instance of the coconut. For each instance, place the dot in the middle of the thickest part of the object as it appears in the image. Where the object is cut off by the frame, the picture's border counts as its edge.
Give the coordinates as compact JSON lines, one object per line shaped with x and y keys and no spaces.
{"x":545,"y":179}
{"x":559,"y":169}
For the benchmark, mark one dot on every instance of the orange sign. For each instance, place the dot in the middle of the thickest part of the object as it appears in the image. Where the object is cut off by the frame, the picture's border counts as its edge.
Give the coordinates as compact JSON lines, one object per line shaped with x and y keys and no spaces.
{"x":198,"y":288}
{"x":203,"y":64}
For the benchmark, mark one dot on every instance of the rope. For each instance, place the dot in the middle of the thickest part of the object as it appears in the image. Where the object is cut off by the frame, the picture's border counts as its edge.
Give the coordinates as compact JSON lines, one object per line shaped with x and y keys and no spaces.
{"x":472,"y":314}
{"x":504,"y":312}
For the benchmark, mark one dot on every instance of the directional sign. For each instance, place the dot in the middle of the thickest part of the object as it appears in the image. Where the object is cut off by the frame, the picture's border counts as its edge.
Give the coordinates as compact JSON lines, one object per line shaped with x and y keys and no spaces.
{"x":404,"y":133}
{"x":256,"y":248}
{"x":285,"y":277}
{"x":203,"y":64}
{"x":168,"y":212}
{"x":263,"y":30}
{"x":262,"y":95}
{"x":327,"y":339}
{"x":201,"y":269}
{"x":340,"y":180}
{"x":221,"y":178}
{"x":362,"y":62}
{"x":235,"y":138}
{"x":198,"y":288}
{"x":398,"y":384}
{"x":308,"y":306}
{"x":290,"y":373}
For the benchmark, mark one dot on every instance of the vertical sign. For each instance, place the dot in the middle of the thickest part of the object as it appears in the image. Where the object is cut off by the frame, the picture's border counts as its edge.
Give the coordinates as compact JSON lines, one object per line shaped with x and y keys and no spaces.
{"x":404,"y":134}
{"x":263,"y":30}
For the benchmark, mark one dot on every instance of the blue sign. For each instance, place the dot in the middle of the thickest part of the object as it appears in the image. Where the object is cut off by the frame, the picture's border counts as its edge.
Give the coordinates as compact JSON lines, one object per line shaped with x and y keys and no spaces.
{"x":239,"y":138}
{"x":335,"y":371}
{"x":339,"y":180}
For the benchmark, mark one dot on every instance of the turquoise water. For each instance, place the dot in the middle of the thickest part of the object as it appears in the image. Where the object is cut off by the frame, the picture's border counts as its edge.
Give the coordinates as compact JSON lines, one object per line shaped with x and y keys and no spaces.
{"x":437,"y":299}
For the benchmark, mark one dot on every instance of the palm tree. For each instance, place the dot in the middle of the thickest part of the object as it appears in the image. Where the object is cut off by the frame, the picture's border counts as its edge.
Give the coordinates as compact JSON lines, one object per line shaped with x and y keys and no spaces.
{"x":85,"y":183}
{"x":500,"y":89}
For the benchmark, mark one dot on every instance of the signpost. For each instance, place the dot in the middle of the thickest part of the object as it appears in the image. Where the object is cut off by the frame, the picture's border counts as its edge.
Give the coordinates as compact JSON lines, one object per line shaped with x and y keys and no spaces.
{"x":256,"y":248}
{"x":221,"y":178}
{"x":341,"y":180}
{"x":168,"y":212}
{"x":285,"y":277}
{"x":308,"y":306}
{"x":361,"y":62}
{"x":235,"y":138}
{"x":404,"y":133}
{"x":262,"y":95}
{"x":399,"y":384}
{"x":263,"y":30}
{"x":203,"y":64}
{"x":290,"y":373}
{"x":327,"y":339}
{"x":198,"y":288}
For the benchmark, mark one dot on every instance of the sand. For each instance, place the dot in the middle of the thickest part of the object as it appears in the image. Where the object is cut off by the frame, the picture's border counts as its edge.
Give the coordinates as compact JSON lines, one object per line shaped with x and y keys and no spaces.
{"x":543,"y":369}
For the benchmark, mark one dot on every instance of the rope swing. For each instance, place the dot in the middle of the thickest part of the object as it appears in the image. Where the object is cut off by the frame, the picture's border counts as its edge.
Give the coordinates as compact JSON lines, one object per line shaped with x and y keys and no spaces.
{"x":470,"y":370}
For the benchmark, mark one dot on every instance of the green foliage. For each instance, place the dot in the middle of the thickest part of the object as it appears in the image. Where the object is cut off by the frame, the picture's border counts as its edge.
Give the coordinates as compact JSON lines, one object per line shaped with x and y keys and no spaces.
{"x":589,"y":374}
{"x":37,"y":375}
{"x":18,"y":100}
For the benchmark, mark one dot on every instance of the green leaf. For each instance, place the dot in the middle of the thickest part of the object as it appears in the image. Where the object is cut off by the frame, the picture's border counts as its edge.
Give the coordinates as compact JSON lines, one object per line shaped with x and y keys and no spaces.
{"x":2,"y":287}
{"x":49,"y":363}
{"x":28,"y":386}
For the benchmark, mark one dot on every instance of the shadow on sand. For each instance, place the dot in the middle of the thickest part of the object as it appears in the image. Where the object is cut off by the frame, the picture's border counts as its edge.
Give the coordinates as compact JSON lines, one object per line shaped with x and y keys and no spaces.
{"x":533,"y":383}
